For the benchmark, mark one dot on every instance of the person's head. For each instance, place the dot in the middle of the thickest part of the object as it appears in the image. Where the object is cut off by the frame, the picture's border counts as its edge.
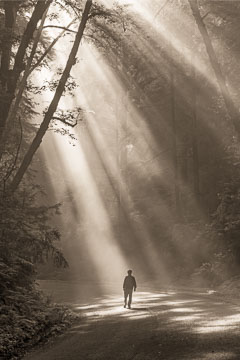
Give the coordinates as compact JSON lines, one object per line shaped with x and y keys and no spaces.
{"x":129,"y":272}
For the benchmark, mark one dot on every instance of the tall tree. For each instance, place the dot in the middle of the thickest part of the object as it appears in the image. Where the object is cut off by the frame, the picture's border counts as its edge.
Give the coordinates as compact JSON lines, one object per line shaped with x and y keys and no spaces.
{"x":9,"y":77}
{"x":54,"y":103}
{"x":21,"y":87}
{"x":230,"y":106}
{"x":178,"y":214}
{"x":195,"y":150}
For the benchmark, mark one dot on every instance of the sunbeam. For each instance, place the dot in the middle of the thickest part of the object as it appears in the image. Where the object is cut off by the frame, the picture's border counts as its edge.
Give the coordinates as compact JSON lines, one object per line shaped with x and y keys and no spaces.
{"x":117,"y":142}
{"x":98,"y":234}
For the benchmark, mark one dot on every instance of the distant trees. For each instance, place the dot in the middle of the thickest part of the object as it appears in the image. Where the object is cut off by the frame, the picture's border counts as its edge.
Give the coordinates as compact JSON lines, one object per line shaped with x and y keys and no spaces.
{"x":193,"y":119}
{"x":229,"y":103}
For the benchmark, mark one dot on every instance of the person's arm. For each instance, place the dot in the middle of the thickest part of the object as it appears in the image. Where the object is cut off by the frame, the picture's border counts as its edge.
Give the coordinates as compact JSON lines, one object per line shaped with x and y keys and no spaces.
{"x":135,"y":284}
{"x":124,"y":283}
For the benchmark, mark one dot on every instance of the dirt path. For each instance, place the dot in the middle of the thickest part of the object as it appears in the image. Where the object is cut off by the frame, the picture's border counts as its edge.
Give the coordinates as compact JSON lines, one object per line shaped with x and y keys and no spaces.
{"x":162,"y":325}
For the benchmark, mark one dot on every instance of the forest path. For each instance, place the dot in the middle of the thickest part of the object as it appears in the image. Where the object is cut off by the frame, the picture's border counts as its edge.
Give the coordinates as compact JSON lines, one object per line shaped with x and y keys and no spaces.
{"x":161,"y":325}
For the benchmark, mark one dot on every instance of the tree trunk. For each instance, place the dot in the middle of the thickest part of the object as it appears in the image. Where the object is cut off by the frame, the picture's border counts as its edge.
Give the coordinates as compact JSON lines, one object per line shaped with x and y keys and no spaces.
{"x":194,"y":134}
{"x":53,"y":106}
{"x":178,"y":215}
{"x":121,"y":134}
{"x":10,"y":9}
{"x":13,"y":75}
{"x":196,"y":189}
{"x":230,"y":106}
{"x":14,"y":108}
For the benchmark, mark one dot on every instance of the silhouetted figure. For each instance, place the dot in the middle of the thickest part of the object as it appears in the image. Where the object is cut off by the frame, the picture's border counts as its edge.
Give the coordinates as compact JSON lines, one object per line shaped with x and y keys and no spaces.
{"x":128,"y":285}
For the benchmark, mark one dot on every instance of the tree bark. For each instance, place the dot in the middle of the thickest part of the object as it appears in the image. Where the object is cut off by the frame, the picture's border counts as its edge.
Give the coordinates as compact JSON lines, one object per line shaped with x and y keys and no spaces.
{"x":194,"y":133}
{"x":121,"y":135}
{"x":13,"y":75}
{"x":178,"y":214}
{"x":230,"y":106}
{"x":15,"y":105}
{"x":196,"y":189}
{"x":10,"y":9}
{"x":54,"y":103}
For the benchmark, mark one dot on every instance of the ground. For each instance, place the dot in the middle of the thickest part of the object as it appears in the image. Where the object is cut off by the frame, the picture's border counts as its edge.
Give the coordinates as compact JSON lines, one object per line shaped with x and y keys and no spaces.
{"x":164,"y":324}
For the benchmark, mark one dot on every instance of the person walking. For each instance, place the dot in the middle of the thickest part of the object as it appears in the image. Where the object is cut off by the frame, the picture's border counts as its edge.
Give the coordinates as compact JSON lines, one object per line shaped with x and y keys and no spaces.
{"x":129,"y":284}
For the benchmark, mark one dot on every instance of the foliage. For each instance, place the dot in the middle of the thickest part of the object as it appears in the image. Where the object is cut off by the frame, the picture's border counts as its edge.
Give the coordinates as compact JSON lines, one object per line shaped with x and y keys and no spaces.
{"x":26,"y":239}
{"x":26,"y":234}
{"x":220,"y":237}
{"x":226,"y":218}
{"x":214,"y":272}
{"x":28,"y":318}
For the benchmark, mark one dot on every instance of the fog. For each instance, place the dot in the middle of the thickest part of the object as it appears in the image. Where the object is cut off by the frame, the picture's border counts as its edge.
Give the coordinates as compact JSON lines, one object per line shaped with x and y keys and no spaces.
{"x":114,"y":174}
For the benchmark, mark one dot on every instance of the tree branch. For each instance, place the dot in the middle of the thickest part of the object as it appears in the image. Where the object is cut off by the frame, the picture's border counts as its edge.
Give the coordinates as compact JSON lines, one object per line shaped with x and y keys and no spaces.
{"x":54,"y":103}
{"x":204,"y":16}
{"x":65,"y":121}
{"x":60,"y":27}
{"x":161,"y":8}
{"x":99,"y":13}
{"x":51,"y":46}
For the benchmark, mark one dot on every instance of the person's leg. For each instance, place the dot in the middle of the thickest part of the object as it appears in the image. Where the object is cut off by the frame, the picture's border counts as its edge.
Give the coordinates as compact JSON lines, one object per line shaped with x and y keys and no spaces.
{"x":125,"y":298}
{"x":129,"y":298}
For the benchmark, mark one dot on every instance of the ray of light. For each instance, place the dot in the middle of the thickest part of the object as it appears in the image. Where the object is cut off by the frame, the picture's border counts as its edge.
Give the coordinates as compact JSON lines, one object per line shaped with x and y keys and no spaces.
{"x":180,"y":43}
{"x":188,"y":309}
{"x":218,"y":355}
{"x":142,"y":133}
{"x":100,"y":241}
{"x":216,"y":325}
{"x":102,"y":147}
{"x":89,"y":202}
{"x":188,"y":318}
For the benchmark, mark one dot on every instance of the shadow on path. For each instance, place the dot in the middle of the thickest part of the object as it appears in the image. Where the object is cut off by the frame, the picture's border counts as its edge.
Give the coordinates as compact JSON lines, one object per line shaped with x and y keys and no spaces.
{"x":167,"y":325}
